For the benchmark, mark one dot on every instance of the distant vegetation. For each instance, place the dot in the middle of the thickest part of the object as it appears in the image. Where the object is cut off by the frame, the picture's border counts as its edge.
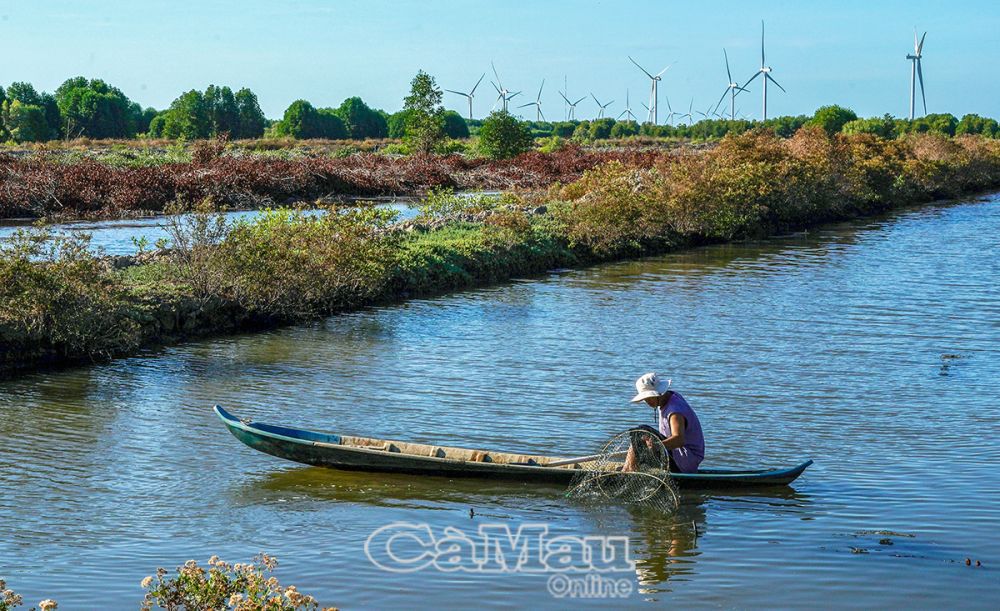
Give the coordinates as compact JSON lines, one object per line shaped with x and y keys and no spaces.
{"x":59,"y":301}
{"x":93,"y":109}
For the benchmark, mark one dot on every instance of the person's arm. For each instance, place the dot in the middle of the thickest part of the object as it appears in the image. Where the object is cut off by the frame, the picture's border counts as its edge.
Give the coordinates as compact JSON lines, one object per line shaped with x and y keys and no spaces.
{"x":677,"y":426}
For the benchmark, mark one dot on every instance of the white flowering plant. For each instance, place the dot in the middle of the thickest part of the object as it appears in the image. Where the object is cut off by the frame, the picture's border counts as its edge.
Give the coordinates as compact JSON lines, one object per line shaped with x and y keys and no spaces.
{"x":222,"y":586}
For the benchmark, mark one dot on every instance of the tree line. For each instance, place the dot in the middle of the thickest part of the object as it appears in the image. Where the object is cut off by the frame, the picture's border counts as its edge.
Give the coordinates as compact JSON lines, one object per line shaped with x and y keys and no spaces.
{"x":91,"y":108}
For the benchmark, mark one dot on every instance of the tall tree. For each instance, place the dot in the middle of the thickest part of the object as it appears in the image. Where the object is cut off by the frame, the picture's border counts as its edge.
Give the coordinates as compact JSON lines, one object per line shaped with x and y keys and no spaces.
{"x":361,"y":121}
{"x":425,"y":115}
{"x":251,"y":117}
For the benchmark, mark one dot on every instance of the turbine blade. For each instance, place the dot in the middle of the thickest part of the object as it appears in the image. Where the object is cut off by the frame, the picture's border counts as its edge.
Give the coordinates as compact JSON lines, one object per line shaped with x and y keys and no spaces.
{"x":771,"y":78}
{"x":497,"y":88}
{"x":477,"y":83}
{"x":920,"y":75}
{"x":541,"y":114}
{"x":513,"y":94}
{"x":640,"y":67}
{"x":595,"y":98}
{"x":728,"y":73}
{"x":565,"y":98}
{"x":722,"y":98}
{"x":668,"y":104}
{"x":578,"y":101}
{"x":761,"y":45}
{"x":540,"y":90}
{"x":528,"y":104}
{"x":457,"y":92}
{"x":920,"y":49}
{"x":495,"y":73}
{"x":660,"y":73}
{"x":751,"y":79}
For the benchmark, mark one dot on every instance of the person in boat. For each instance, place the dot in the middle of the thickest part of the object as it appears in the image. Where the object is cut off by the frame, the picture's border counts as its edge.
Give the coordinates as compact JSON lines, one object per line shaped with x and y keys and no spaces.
{"x":679,"y":429}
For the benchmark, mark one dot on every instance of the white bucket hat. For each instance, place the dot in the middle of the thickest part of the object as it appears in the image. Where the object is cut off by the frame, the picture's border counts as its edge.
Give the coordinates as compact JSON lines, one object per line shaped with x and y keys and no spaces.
{"x":648,"y":386}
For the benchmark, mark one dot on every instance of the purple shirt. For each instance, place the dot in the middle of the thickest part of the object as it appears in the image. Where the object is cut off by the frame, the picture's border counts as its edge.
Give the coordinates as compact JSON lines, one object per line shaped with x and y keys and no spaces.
{"x":690,"y":455}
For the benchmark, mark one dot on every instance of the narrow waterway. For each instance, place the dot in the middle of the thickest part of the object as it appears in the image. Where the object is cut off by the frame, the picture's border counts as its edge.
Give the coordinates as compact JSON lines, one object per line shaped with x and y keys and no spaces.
{"x":871,"y":347}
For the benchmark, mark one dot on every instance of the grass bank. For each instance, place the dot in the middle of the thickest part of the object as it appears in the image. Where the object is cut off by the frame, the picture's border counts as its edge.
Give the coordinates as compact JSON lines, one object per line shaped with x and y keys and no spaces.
{"x":59,"y":303}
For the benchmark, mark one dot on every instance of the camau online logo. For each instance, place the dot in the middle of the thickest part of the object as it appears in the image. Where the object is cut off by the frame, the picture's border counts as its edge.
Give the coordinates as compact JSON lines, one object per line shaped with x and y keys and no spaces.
{"x":578,"y":565}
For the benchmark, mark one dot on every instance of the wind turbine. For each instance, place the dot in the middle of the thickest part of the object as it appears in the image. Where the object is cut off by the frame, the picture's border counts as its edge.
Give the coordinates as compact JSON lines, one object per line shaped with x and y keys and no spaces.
{"x":766,"y":71}
{"x":537,"y":104}
{"x":688,"y":113}
{"x":572,"y":106}
{"x":469,"y":95}
{"x":652,"y":90}
{"x":600,"y":115}
{"x":731,"y":89}
{"x":916,"y":72}
{"x":505,"y":94}
{"x":671,"y":114}
{"x":708,"y":114}
{"x":628,"y":109}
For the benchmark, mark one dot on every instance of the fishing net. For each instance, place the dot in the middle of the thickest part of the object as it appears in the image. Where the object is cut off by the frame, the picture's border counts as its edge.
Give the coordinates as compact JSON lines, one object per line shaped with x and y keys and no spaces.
{"x":632,"y":468}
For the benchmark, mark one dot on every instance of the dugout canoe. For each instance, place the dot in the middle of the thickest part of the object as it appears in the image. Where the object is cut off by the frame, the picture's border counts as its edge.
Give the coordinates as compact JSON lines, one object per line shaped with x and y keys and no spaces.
{"x":380,"y":455}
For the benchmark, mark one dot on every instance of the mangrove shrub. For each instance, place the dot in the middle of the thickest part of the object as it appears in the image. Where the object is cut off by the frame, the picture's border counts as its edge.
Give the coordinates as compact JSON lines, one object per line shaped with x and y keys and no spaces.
{"x":502,"y":136}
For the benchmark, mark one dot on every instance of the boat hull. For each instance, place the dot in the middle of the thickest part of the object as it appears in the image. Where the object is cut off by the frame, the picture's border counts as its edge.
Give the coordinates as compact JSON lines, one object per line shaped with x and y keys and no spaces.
{"x":333,"y":451}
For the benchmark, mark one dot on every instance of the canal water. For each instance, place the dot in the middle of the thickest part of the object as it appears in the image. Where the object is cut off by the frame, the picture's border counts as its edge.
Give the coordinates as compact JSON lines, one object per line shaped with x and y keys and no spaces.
{"x":871,"y":347}
{"x":122,"y":236}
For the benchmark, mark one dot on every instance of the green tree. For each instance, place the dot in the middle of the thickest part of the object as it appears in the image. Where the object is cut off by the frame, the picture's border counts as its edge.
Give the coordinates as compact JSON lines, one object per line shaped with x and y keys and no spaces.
{"x":502,"y":136}
{"x":25,"y":122}
{"x":832,"y":118}
{"x":223,"y":111}
{"x":331,"y":126}
{"x":145,"y":118}
{"x":396,"y":124}
{"x":425,"y":118}
{"x":189,"y":117}
{"x":155,"y":129}
{"x":564,"y":129}
{"x":884,"y":127}
{"x":974,"y":124}
{"x":252,"y":119}
{"x":361,"y":121}
{"x":622,"y":129}
{"x":95,"y":109}
{"x":601,"y":128}
{"x":455,"y":125}
{"x":301,"y":120}
{"x":24,"y":93}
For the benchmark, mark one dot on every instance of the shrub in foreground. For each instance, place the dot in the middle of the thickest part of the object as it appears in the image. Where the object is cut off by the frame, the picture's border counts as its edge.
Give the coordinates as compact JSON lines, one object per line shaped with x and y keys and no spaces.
{"x":223,"y":586}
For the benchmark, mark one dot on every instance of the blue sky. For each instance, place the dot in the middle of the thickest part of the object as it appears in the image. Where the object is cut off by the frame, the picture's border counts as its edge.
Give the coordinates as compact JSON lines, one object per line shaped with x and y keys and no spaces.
{"x":847,"y":52}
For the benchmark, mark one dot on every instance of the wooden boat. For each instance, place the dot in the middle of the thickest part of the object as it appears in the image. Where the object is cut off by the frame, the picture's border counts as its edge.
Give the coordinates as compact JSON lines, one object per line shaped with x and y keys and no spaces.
{"x":369,"y":454}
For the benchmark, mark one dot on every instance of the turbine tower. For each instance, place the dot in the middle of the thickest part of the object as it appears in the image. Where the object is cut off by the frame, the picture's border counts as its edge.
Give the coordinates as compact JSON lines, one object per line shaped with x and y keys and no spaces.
{"x":504,"y":94}
{"x":652,"y":90}
{"x":731,"y":89}
{"x":766,"y":71}
{"x":469,"y":95}
{"x":916,"y":72}
{"x":628,"y":109}
{"x":537,"y":104}
{"x":603,"y":107}
{"x":572,"y":106}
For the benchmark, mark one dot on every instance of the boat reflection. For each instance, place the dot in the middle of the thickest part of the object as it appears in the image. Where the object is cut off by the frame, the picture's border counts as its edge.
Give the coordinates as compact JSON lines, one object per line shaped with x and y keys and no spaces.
{"x":664,"y":546}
